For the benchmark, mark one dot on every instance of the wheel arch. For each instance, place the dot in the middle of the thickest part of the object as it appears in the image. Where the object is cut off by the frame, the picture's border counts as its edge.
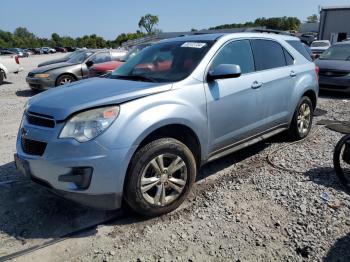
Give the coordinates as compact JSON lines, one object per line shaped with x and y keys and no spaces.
{"x":313,"y":97}
{"x":180,"y":132}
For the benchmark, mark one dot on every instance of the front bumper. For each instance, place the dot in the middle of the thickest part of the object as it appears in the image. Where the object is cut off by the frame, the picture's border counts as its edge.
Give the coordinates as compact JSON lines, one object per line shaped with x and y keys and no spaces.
{"x":341,"y":84}
{"x":62,"y":156}
{"x":40,"y":83}
{"x":109,"y":201}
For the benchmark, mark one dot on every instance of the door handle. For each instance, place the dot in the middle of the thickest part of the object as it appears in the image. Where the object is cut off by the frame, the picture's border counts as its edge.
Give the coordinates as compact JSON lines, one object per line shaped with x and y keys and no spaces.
{"x":256,"y":84}
{"x":293,"y":74}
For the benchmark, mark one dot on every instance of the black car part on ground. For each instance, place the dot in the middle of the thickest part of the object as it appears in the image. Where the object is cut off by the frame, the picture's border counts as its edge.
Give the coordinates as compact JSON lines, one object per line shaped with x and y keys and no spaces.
{"x":342,"y":152}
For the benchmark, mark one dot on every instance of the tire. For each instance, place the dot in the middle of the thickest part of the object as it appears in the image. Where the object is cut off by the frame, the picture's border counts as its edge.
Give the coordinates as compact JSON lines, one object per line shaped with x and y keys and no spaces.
{"x":1,"y":77}
{"x":146,"y":199}
{"x":298,"y":131}
{"x":337,"y":164}
{"x":64,"y":79}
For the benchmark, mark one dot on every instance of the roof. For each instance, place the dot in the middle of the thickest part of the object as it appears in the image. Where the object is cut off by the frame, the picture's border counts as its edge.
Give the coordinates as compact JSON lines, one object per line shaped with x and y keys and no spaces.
{"x":199,"y":37}
{"x":213,"y":37}
{"x":335,"y":7}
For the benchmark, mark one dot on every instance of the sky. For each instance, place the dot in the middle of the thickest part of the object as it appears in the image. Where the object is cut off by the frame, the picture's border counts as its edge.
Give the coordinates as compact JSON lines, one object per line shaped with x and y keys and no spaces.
{"x":109,"y":18}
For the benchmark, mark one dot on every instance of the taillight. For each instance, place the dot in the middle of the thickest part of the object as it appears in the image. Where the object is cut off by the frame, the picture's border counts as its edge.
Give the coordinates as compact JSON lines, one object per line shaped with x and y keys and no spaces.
{"x":17,"y":59}
{"x":317,"y":69}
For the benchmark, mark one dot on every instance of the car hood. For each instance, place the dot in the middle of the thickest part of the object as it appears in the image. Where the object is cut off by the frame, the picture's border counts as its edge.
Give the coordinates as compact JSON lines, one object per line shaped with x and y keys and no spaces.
{"x":336,"y":65}
{"x":46,"y":68}
{"x":61,"y":102}
{"x":54,"y":61}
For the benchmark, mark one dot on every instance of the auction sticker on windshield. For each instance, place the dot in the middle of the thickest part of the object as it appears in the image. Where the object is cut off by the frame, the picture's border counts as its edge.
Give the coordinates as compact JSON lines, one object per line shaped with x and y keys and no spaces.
{"x":193,"y":45}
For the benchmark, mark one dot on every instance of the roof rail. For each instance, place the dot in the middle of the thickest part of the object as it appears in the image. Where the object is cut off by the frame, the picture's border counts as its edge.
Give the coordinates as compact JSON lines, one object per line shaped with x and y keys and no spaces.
{"x":271,"y":31}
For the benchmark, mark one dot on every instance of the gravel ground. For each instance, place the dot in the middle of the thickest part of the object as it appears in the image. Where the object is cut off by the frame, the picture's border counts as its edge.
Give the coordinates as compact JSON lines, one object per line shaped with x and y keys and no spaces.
{"x":241,"y":209}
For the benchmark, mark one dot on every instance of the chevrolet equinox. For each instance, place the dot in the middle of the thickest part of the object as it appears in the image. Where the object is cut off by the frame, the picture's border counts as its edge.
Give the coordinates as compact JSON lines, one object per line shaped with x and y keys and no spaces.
{"x":141,"y":133}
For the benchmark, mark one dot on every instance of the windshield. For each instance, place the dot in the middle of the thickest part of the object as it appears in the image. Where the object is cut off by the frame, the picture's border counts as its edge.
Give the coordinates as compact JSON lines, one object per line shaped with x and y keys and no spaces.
{"x":319,"y":44}
{"x":70,"y":55}
{"x":164,"y":62}
{"x":133,"y":51}
{"x":80,"y":57}
{"x":337,"y":52}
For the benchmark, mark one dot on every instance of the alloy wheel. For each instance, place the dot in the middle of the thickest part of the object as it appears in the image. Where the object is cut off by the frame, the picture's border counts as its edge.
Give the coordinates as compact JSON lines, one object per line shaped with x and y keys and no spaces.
{"x":304,"y":118}
{"x":164,"y":179}
{"x":65,"y":80}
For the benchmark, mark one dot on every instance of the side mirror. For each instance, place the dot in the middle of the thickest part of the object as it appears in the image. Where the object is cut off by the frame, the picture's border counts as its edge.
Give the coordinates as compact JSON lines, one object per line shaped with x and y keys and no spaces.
{"x":89,"y":63}
{"x":224,"y":71}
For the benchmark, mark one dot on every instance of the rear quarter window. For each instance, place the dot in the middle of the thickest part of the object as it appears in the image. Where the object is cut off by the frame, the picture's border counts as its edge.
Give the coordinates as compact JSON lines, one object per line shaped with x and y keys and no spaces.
{"x":300,"y":48}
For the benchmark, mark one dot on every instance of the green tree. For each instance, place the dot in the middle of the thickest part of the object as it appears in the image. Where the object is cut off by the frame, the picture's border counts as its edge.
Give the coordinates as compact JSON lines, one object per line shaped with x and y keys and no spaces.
{"x":56,"y":39}
{"x":148,"y":22}
{"x":312,"y":19}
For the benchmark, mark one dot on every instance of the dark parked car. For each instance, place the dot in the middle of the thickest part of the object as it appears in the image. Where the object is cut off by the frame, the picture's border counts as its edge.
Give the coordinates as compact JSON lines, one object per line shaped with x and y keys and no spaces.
{"x":18,"y":51}
{"x":334,"y":66}
{"x":76,"y":68}
{"x":61,"y":49}
{"x":308,"y":38}
{"x":70,"y":49}
{"x":60,"y":60}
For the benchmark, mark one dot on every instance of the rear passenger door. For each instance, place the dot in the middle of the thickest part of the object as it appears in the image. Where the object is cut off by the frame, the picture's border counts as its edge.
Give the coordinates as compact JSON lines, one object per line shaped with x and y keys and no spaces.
{"x":274,"y":79}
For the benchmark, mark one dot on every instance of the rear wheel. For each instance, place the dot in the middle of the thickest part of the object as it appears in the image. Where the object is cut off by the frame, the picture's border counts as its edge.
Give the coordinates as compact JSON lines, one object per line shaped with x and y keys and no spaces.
{"x":160,"y":177}
{"x":64,"y":79}
{"x":302,"y":119}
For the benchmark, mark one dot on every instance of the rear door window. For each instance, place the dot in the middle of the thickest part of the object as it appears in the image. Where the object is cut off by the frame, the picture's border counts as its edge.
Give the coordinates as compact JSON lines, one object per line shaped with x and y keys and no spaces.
{"x":236,"y":53}
{"x":267,"y":54}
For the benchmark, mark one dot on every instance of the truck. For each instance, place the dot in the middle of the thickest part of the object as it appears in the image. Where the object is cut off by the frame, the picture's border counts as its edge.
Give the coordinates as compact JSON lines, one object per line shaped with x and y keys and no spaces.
{"x":9,"y":63}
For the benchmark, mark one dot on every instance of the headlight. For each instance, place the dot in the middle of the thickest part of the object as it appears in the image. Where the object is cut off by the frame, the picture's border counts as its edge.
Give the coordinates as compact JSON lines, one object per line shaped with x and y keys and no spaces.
{"x":41,"y":75}
{"x":89,"y":124}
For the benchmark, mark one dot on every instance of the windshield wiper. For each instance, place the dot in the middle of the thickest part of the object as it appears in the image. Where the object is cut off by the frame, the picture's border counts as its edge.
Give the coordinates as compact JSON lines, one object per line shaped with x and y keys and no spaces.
{"x":135,"y":77}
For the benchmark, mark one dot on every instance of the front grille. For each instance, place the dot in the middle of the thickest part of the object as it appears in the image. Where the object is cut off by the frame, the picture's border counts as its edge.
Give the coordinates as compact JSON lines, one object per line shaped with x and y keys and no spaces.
{"x":33,"y":147}
{"x":39,"y":120}
{"x":333,"y":87}
{"x":30,"y":74}
{"x":330,"y":73}
{"x":37,"y":86}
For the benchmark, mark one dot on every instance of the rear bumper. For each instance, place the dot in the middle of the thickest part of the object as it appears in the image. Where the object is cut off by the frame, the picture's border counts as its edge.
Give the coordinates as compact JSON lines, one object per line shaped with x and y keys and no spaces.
{"x":40,"y":84}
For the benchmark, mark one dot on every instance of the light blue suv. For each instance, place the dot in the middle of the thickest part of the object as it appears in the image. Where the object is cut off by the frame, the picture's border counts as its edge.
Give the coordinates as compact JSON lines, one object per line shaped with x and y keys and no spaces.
{"x":142,"y":133}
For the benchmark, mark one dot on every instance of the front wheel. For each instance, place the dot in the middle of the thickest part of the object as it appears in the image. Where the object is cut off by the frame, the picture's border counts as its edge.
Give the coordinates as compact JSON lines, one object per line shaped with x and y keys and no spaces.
{"x":160,"y":177}
{"x":64,"y":79}
{"x":302,"y":120}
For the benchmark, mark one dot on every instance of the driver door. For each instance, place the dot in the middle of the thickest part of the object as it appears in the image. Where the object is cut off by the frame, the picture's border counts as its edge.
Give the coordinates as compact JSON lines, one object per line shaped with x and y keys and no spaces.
{"x":233,"y":104}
